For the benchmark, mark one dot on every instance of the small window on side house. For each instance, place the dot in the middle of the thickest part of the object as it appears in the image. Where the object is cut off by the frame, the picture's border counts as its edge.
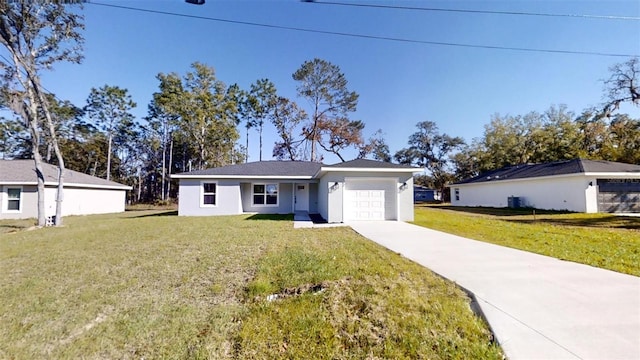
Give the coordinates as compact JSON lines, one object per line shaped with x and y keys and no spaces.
{"x":14,"y":196}
{"x":209,"y":193}
{"x":457,"y":192}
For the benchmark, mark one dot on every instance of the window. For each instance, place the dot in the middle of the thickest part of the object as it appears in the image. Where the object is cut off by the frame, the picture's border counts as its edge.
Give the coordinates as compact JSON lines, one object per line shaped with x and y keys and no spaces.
{"x":14,"y":196}
{"x":265,"y":194}
{"x":457,"y":191}
{"x":209,"y":193}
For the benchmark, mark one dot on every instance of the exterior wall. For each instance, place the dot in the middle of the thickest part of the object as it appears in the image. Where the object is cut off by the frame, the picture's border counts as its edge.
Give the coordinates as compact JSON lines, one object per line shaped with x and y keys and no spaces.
{"x":227,"y":198}
{"x":553,"y":193}
{"x":313,"y":198}
{"x":285,"y":198}
{"x":76,"y":201}
{"x":82,"y":201}
{"x":405,"y":198}
{"x":28,"y":203}
{"x":332,"y":208}
{"x":323,"y":198}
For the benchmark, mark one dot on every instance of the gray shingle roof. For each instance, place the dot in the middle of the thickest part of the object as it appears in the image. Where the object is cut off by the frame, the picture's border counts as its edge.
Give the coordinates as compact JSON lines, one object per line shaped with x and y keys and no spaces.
{"x":262,"y":168}
{"x":23,"y":172}
{"x":575,"y":166}
{"x":288,"y":168}
{"x":369,"y":164}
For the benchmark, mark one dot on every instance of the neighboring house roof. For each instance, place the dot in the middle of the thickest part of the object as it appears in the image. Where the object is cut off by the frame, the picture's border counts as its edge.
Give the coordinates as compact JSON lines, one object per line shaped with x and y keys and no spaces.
{"x":22,"y":172}
{"x":567,"y":167}
{"x":290,"y":169}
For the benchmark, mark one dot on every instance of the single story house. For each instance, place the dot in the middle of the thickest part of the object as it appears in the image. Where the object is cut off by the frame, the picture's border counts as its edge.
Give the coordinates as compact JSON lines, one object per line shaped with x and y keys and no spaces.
{"x":83,"y":194}
{"x":578,"y":185}
{"x":353,"y":190}
{"x":424,"y":194}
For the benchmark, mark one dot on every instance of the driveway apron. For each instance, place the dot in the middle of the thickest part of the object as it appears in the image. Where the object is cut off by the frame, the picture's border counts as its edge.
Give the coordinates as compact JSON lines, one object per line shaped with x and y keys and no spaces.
{"x":537,"y":306}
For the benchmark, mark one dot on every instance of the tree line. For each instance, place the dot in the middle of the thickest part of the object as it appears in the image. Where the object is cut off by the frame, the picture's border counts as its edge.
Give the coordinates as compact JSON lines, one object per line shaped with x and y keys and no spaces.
{"x":597,"y":133}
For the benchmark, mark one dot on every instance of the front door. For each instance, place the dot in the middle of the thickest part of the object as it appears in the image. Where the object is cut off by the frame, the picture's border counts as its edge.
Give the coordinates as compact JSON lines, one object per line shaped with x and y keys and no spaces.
{"x":302,"y":197}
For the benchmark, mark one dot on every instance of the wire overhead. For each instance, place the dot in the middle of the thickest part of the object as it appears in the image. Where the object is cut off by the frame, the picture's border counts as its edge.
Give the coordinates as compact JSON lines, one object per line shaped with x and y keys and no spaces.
{"x":493,"y":12}
{"x":364,"y":36}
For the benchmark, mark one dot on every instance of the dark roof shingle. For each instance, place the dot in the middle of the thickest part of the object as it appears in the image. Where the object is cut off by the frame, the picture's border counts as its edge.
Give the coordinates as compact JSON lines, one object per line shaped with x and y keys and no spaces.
{"x":369,"y":164}
{"x":262,"y":168}
{"x":23,"y":171}
{"x":575,"y":166}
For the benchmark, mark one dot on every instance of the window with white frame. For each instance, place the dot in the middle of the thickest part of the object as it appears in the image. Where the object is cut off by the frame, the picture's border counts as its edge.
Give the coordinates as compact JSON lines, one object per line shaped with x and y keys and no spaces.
{"x":457,"y":192}
{"x":265,"y":194}
{"x":14,"y":199}
{"x":209,"y":192}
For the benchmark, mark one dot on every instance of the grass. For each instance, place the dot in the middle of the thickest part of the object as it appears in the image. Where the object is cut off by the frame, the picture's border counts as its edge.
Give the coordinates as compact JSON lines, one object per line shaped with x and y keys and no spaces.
{"x":149,"y":284}
{"x":601,"y":240}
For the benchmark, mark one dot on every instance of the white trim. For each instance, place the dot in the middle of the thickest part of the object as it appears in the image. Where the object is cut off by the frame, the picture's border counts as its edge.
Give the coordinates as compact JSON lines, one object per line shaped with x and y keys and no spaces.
{"x":5,"y":199}
{"x":249,"y":177}
{"x":67,"y":184}
{"x":265,"y":194}
{"x":202,"y":194}
{"x":371,"y":170}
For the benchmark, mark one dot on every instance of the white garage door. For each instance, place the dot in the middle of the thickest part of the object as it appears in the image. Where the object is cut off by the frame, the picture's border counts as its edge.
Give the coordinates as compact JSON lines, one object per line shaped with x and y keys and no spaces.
{"x":370,"y":200}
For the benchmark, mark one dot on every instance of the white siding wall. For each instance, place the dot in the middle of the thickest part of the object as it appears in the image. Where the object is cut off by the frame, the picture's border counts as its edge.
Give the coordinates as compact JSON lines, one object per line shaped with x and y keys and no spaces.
{"x":553,"y":193}
{"x":405,"y":199}
{"x":227,"y":198}
{"x":81,"y":201}
{"x":76,"y":201}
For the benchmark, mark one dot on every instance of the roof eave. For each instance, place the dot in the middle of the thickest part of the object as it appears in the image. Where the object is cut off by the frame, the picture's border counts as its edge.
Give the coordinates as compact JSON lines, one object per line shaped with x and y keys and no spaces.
{"x":270,"y":177}
{"x":389,"y":170}
{"x":68,"y":184}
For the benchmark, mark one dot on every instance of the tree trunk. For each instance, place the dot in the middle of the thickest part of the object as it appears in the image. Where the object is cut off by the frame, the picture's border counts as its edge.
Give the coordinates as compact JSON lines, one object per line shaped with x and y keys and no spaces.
{"x":37,"y":159}
{"x":164,"y":156}
{"x":139,"y":185}
{"x":109,"y":157}
{"x":56,"y":149}
{"x":260,"y":132}
{"x":246,"y":150}
{"x":170,"y":165}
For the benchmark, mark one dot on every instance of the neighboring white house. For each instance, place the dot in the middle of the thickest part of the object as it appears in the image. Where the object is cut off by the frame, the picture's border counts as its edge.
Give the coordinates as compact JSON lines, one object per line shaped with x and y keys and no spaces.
{"x":353,"y":190}
{"x":83,"y":194}
{"x":576,"y":185}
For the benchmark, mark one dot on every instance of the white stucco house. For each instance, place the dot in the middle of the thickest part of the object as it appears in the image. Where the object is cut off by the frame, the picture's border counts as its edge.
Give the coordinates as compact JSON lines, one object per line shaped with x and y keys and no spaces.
{"x":578,"y":185}
{"x":353,"y":190}
{"x":83,"y":194}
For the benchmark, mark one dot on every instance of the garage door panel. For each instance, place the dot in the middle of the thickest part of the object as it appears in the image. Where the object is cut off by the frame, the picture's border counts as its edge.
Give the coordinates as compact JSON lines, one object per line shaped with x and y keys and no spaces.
{"x":619,"y":195}
{"x":370,"y":200}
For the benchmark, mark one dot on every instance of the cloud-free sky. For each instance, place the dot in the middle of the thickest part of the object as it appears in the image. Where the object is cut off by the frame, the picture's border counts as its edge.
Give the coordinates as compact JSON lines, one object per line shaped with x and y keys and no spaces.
{"x":400,"y":83}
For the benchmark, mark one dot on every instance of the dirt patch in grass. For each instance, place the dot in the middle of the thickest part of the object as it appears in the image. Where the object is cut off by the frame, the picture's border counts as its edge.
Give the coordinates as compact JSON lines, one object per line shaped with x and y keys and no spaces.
{"x":334,"y":295}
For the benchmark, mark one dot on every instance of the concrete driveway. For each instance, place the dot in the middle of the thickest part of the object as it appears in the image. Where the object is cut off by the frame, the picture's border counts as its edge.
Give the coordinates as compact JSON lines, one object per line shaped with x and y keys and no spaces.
{"x":538,"y":307}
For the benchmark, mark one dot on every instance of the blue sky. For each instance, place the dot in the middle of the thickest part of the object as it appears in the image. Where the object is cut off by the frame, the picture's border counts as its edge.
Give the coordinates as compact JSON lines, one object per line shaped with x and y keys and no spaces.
{"x":399,"y":84}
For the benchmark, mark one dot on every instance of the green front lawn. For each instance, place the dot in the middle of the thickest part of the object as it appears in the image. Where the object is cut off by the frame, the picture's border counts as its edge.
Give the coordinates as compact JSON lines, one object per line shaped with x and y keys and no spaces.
{"x":600,"y":240}
{"x":149,"y":284}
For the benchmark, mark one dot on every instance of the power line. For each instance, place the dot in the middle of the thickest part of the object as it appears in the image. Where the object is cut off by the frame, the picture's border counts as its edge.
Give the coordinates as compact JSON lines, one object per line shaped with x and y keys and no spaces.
{"x":364,"y":36}
{"x":493,"y":12}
